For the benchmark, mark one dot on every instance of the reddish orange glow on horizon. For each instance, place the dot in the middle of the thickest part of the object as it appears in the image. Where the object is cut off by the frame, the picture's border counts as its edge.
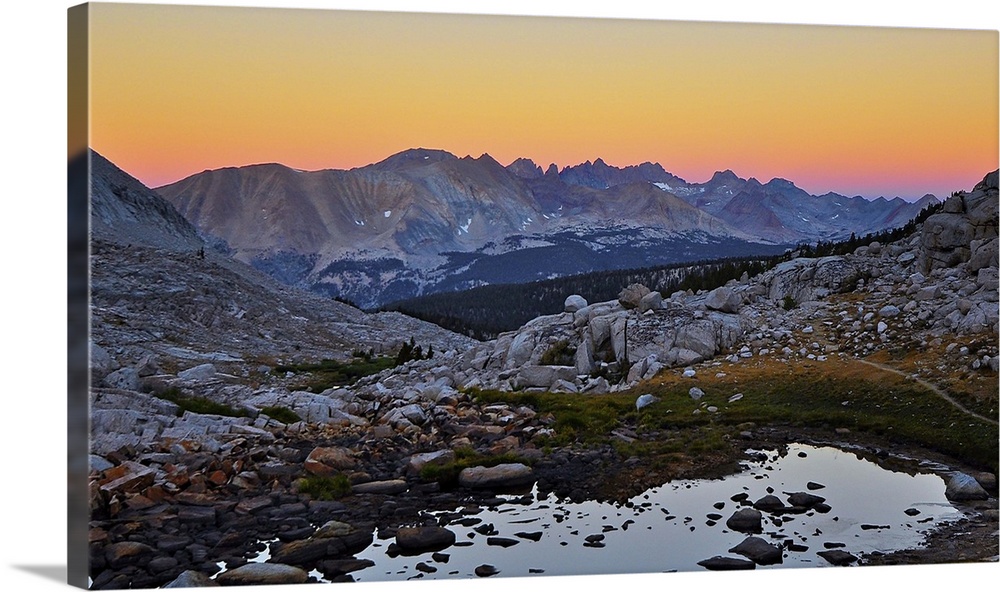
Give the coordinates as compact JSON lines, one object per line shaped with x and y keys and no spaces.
{"x":873,"y":111}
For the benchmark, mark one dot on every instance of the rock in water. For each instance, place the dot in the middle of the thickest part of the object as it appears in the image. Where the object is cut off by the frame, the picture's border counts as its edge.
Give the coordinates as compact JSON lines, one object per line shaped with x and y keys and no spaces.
{"x":485,"y":571}
{"x":253,"y":574}
{"x":805,"y":500}
{"x":424,"y":538}
{"x":726,"y":564}
{"x":837,"y":557}
{"x":963,"y":487}
{"x":758,"y":550}
{"x":745,"y":520}
{"x":574,"y":303}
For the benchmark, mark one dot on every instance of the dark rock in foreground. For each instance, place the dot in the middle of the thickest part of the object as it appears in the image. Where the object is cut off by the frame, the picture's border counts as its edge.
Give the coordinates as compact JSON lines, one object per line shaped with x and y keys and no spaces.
{"x":191,"y":579}
{"x":253,"y":574}
{"x":745,"y":520}
{"x":726,"y":564}
{"x":805,"y":500}
{"x":424,"y":538}
{"x":485,"y":571}
{"x":837,"y":557}
{"x":963,"y":487}
{"x":758,"y":550}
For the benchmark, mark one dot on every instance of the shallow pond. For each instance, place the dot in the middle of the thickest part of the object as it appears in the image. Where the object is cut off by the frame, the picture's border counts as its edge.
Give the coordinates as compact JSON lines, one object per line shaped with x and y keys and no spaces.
{"x":673,"y":527}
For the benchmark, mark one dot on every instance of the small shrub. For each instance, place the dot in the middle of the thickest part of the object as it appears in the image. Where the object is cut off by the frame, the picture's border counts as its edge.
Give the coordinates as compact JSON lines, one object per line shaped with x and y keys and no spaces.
{"x":201,"y":405}
{"x":560,"y":354}
{"x":325,"y":488}
{"x":788,"y":303}
{"x":282,"y":414}
{"x":447,"y":474}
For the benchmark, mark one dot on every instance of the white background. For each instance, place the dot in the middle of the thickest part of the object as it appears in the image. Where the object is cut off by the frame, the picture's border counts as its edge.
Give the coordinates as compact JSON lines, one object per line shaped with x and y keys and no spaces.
{"x":33,"y":337}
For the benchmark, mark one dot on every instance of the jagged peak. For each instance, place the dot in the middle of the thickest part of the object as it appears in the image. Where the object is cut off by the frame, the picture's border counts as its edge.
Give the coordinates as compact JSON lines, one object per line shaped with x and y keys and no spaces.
{"x":778,"y":182}
{"x":724,"y":176}
{"x":415,"y":156}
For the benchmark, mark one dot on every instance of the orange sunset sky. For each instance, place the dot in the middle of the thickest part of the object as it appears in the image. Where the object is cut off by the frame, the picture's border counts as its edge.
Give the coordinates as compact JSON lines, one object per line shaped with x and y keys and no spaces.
{"x":175,"y":90}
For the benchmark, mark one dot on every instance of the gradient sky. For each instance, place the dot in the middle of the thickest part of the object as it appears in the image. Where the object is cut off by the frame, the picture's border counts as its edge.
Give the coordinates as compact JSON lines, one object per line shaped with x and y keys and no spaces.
{"x":175,"y":90}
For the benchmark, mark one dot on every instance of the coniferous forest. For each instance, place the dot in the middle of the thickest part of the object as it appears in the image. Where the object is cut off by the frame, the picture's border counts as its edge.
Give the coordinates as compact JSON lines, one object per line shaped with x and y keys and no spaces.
{"x":486,"y":311}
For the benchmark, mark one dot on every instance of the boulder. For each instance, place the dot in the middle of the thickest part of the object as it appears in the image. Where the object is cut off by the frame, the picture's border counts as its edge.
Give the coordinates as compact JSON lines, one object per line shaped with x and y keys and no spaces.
{"x":486,"y":570}
{"x":631,"y":296}
{"x":651,"y":301}
{"x":962,"y":232}
{"x":723,"y":299}
{"x":543,"y":376}
{"x":100,"y":362}
{"x":837,"y":557}
{"x":128,"y":477}
{"x":418,"y":539}
{"x":984,"y":254}
{"x":758,"y":550}
{"x":253,"y":574}
{"x":805,"y":500}
{"x":202,"y":373}
{"x":417,"y":462}
{"x":645,"y":401}
{"x":390,"y":487}
{"x":520,"y":350}
{"x":726,"y":564}
{"x":500,"y":476}
{"x":125,"y":553}
{"x":769,"y":503}
{"x":745,"y":520}
{"x":407,"y":414}
{"x":191,"y":579}
{"x":327,"y":461}
{"x":964,"y":487}
{"x":574,"y":303}
{"x":124,"y":378}
{"x":698,"y":336}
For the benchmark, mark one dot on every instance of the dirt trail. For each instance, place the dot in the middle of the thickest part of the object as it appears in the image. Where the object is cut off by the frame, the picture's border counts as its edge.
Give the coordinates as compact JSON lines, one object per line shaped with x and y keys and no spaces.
{"x":937,"y":391}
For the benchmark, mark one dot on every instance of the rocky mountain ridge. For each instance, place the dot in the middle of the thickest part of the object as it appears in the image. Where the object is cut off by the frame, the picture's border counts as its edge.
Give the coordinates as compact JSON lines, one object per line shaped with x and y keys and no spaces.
{"x":125,"y":211}
{"x":426,"y":220}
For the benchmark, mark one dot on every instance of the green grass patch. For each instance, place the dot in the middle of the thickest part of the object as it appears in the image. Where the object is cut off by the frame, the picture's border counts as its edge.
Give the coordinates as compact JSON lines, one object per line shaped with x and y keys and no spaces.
{"x":332,"y":373}
{"x":282,"y":414}
{"x":829,"y":395}
{"x":201,"y":405}
{"x":325,"y":488}
{"x":578,"y":418}
{"x":447,"y":474}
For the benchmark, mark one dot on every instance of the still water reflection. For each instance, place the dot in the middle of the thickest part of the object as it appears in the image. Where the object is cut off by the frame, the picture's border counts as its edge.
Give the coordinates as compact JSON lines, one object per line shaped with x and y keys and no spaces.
{"x":673,"y":527}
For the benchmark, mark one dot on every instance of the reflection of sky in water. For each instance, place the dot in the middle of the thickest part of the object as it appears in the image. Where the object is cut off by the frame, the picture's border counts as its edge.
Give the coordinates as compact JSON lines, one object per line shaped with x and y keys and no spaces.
{"x":643,"y":539}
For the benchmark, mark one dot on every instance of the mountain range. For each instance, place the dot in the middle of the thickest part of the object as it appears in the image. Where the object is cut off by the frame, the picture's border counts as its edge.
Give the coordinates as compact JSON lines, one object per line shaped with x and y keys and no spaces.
{"x":424,"y":220}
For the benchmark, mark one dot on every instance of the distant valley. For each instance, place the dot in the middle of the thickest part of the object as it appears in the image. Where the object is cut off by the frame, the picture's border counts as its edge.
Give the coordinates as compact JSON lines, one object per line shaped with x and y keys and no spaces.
{"x":426,"y":221}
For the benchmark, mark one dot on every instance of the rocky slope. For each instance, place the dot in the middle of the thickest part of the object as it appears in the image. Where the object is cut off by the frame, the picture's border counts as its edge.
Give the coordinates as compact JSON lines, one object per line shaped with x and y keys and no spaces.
{"x":938,"y":284}
{"x":124,"y":211}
